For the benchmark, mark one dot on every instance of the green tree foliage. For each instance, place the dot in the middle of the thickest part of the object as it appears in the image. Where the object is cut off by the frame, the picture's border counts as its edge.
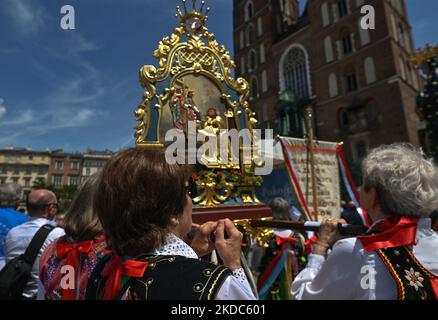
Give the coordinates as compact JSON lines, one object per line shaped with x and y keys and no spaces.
{"x":64,"y":194}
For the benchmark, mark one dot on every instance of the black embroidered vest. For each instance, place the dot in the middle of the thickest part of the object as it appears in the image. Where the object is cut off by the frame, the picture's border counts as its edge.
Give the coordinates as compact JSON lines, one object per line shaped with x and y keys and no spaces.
{"x":166,"y":278}
{"x":413,"y":280}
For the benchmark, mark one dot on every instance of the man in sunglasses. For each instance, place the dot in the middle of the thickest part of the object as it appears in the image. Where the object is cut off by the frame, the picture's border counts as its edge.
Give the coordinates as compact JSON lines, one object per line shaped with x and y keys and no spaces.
{"x":42,"y":206}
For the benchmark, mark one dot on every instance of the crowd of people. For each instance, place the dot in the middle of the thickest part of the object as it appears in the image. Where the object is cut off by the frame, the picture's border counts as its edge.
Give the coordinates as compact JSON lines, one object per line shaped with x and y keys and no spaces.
{"x":128,"y":235}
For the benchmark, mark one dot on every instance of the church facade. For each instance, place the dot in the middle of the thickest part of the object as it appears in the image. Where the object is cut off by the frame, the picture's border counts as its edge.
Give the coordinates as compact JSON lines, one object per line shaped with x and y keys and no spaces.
{"x":360,"y":83}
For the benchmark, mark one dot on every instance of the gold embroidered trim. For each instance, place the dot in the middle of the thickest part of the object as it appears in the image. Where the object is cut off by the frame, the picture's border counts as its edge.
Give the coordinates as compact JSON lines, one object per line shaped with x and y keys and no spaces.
{"x":210,"y":292}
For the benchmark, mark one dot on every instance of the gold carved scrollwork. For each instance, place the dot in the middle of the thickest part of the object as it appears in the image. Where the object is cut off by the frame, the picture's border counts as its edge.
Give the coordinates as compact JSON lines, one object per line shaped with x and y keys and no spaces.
{"x":211,"y":194}
{"x":192,"y":51}
{"x":261,"y":235}
{"x":201,"y":54}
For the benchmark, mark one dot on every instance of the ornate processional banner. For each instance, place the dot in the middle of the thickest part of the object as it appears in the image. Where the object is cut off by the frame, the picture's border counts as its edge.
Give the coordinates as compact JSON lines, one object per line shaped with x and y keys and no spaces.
{"x":326,"y":171}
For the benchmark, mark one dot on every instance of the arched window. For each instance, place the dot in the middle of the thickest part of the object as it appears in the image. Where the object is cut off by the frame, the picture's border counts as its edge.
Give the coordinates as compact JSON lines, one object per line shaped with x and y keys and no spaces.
{"x":328,"y":48}
{"x":294,"y":72}
{"x":342,"y":8}
{"x":262,"y":53}
{"x":351,"y":82}
{"x":414,"y":78}
{"x":333,"y":85}
{"x":325,"y":14}
{"x":347,"y":45}
{"x":260,"y":26}
{"x":249,"y":10}
{"x":401,"y":35}
{"x":370,"y":70}
{"x":254,"y":88}
{"x":264,"y":81}
{"x":364,"y":35}
{"x":252,"y":60}
{"x":402,"y":68}
{"x":250,"y":34}
{"x":397,"y":5}
{"x":394,"y":27}
{"x":408,"y":72}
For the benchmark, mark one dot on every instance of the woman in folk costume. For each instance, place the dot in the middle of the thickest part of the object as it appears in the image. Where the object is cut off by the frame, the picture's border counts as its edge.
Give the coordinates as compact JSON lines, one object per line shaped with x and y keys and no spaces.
{"x":145,"y":208}
{"x":397,"y":258}
{"x":67,"y":263}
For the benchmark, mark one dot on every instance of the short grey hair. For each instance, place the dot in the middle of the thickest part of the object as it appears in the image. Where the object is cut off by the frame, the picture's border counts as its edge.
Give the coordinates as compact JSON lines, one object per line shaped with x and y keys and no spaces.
{"x":10,"y":193}
{"x":280,"y":209}
{"x":406,"y":182}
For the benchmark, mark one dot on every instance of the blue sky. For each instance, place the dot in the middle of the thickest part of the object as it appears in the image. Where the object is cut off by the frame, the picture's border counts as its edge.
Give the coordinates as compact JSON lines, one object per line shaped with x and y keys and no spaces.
{"x":77,"y":89}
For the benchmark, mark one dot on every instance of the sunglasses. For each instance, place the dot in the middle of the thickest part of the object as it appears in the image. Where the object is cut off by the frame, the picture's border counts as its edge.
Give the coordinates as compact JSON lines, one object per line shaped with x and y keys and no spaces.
{"x":192,"y":188}
{"x":53,"y":204}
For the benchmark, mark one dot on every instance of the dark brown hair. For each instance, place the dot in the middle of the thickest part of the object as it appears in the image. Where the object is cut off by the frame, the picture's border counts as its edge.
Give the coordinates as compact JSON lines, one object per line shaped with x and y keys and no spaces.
{"x":137,"y":194}
{"x":80,"y":221}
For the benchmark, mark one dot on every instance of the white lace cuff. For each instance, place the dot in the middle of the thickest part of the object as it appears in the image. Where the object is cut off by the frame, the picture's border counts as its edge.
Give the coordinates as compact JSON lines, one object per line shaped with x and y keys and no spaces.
{"x":240,"y":275}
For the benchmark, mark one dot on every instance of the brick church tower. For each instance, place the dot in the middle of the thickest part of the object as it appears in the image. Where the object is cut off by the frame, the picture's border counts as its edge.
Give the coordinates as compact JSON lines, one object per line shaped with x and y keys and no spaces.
{"x":360,"y":83}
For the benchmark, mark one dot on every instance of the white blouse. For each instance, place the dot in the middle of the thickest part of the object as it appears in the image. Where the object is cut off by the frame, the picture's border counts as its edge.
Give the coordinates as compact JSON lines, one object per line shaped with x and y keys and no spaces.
{"x":235,"y":287}
{"x":351,"y":273}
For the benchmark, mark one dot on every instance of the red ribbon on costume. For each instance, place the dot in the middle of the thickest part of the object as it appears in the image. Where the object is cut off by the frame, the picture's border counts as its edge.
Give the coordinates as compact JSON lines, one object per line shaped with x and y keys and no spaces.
{"x":115,"y":269}
{"x":434,"y":284}
{"x":71,"y":251}
{"x":308,"y":244}
{"x":397,"y":231}
{"x":283,"y":241}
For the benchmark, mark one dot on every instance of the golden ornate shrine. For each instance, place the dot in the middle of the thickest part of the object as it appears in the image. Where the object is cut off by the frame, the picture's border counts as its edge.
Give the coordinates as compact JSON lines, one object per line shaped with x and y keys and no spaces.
{"x":421,"y":55}
{"x":198,"y":62}
{"x":193,"y":82}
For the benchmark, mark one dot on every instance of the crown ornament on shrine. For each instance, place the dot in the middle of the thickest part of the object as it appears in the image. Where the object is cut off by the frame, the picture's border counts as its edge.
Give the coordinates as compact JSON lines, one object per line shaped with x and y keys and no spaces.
{"x":192,"y":20}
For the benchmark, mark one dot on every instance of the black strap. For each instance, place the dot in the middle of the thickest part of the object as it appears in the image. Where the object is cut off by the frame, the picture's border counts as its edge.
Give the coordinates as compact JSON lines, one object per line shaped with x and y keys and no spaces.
{"x":37,"y":242}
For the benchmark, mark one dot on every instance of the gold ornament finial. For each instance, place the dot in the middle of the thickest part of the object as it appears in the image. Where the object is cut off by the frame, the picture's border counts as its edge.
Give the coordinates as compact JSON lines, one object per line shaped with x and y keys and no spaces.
{"x":179,"y":12}
{"x":185,"y":6}
{"x":422,"y":55}
{"x":192,"y":20}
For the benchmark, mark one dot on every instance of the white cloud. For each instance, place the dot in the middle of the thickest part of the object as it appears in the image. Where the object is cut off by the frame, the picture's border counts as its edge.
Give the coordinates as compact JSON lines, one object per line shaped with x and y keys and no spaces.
{"x":39,"y":123}
{"x":72,"y":101}
{"x":2,"y":108}
{"x":24,"y":117}
{"x":28,"y":16}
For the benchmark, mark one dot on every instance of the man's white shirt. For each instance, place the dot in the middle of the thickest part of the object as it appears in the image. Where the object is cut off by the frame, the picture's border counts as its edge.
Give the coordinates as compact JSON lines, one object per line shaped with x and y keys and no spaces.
{"x":19,"y":238}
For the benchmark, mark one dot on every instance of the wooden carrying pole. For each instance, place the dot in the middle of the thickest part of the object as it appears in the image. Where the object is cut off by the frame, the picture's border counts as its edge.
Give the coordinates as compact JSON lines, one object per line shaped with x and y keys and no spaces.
{"x":311,"y":138}
{"x":344,"y":229}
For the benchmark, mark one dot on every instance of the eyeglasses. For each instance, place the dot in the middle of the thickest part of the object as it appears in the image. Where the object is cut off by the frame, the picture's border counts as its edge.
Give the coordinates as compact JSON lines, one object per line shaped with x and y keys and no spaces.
{"x":192,"y":188}
{"x":53,"y":204}
{"x":41,"y":207}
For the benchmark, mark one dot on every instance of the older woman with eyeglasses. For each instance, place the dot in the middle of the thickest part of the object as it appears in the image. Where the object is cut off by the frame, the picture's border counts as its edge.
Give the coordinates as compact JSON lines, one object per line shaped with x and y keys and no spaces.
{"x":397,"y":258}
{"x":145,"y":208}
